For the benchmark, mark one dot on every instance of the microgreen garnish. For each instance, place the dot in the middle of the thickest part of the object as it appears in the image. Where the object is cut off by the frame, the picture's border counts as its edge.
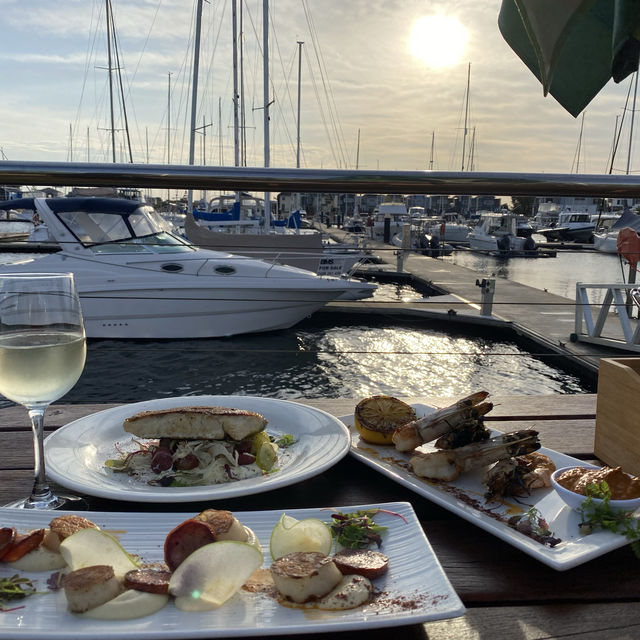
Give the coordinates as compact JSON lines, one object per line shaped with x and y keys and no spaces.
{"x":358,"y":530}
{"x":54,"y":583}
{"x":14,"y":588}
{"x":600,"y":515}
{"x":285,"y":440}
{"x":532,"y":524}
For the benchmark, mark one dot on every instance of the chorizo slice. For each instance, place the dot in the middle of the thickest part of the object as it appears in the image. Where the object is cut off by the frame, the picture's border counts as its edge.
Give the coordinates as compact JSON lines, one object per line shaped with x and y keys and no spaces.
{"x":22,"y":544}
{"x":149,"y":580}
{"x":184,"y":539}
{"x":7,"y":536}
{"x":363,"y":562}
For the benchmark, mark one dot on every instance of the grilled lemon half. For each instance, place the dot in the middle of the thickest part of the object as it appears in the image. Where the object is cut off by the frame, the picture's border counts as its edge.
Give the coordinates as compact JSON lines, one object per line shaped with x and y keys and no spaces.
{"x":377,"y":417}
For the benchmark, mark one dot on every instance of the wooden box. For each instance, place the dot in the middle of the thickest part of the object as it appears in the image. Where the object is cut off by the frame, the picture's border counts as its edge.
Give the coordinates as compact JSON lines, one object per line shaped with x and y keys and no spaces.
{"x":617,"y":440}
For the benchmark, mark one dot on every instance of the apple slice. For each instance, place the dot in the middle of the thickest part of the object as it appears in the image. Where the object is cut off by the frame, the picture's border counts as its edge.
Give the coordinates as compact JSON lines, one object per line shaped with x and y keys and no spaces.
{"x":90,"y":547}
{"x":291,"y":535}
{"x":212,"y":574}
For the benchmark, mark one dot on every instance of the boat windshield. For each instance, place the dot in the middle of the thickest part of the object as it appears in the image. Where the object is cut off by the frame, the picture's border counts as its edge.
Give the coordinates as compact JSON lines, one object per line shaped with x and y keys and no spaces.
{"x":142,"y":230}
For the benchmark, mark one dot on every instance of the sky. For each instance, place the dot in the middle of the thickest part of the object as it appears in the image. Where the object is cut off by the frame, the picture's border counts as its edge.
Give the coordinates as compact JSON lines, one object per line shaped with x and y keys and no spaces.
{"x":371,"y":98}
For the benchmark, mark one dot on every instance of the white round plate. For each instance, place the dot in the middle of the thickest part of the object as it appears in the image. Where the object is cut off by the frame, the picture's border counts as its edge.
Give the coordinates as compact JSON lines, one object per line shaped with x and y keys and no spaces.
{"x":76,"y":452}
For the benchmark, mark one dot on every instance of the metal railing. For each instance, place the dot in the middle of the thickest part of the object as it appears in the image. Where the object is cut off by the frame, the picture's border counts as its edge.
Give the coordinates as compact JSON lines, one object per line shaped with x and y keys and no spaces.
{"x":162,"y":176}
{"x":613,"y":324}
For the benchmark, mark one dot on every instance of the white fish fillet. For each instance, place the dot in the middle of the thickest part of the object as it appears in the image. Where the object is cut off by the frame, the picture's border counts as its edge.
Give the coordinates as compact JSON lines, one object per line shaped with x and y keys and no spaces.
{"x":203,"y":423}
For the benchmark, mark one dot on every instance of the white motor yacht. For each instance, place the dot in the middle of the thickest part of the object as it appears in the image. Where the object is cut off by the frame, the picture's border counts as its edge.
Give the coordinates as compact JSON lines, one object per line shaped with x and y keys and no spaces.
{"x":497,"y":233}
{"x":449,"y":228}
{"x":136,"y":279}
{"x":393,"y":214}
{"x":572,"y":226}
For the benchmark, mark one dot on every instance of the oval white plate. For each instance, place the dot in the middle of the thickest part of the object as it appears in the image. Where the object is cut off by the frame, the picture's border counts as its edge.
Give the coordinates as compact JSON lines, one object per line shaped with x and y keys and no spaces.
{"x":76,"y":452}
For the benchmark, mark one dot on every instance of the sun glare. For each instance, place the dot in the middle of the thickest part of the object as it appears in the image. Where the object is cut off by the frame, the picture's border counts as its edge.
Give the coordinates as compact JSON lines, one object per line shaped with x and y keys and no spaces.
{"x":439,"y":41}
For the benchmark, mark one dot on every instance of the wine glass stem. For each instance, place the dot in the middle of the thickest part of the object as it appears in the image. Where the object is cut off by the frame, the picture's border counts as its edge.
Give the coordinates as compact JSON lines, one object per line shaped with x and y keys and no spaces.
{"x":40,"y":487}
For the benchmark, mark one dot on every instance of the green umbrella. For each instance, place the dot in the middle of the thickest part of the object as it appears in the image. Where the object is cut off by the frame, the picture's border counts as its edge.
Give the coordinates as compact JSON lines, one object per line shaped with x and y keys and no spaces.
{"x":574,"y":46}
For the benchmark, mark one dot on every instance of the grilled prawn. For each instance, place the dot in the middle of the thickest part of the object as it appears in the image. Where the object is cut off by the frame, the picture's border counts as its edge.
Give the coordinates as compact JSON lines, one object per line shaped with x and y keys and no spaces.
{"x":470,"y":431}
{"x":518,"y":476}
{"x":448,"y":464}
{"x":413,"y":434}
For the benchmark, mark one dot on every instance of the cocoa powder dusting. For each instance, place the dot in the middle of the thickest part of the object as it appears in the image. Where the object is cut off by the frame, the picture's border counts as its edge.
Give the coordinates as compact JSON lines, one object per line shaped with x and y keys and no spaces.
{"x":383,"y":602}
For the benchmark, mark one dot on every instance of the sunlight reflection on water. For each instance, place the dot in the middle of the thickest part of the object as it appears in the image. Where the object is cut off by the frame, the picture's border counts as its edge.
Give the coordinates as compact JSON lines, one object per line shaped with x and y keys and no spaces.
{"x":318,"y":359}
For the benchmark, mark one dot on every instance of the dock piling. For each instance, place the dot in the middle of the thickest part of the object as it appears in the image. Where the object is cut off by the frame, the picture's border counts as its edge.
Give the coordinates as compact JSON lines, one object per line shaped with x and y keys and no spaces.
{"x":488,"y":288}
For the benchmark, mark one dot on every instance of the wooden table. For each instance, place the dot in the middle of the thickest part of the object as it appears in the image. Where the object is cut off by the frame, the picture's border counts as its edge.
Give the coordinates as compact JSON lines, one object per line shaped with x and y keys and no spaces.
{"x":507,"y":593}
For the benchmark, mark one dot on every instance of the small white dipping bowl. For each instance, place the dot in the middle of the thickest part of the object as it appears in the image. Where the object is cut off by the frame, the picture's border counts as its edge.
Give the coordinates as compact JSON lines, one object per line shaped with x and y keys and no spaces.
{"x":575,"y":500}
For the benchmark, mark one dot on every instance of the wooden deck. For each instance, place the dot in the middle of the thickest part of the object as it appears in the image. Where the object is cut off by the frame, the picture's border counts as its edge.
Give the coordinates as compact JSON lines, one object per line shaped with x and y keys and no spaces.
{"x":507,"y":593}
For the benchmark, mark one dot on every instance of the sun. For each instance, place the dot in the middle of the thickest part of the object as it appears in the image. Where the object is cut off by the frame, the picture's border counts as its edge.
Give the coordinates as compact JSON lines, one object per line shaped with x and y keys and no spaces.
{"x":439,"y":41}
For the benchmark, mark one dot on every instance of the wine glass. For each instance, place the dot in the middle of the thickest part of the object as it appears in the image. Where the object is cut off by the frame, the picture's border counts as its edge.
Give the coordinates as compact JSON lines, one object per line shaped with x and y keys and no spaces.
{"x":42,"y":354}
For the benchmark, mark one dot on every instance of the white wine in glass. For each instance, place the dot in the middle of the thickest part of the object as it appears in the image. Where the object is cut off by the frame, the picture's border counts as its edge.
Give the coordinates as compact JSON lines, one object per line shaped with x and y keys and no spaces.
{"x":42,"y":355}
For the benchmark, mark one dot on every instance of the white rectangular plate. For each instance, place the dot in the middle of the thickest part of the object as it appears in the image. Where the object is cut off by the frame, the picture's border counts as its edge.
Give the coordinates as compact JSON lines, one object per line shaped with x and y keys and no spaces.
{"x":465,"y":497}
{"x":414,"y":576}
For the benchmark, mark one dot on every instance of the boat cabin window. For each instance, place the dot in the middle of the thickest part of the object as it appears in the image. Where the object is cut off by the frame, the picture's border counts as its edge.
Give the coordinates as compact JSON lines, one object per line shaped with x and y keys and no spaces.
{"x":95,"y":227}
{"x":142,"y":231}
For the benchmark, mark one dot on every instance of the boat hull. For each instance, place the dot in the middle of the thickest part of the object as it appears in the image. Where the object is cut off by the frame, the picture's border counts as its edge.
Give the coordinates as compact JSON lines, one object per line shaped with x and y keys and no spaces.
{"x":139,"y":303}
{"x":606,"y":242}
{"x":194,"y":313}
{"x":498,"y":245}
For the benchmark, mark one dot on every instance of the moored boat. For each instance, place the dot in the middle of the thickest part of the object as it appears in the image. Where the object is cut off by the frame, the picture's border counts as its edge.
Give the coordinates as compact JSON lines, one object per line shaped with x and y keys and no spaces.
{"x":606,"y":240}
{"x":497,"y":233}
{"x":391,"y":216}
{"x":136,"y":279}
{"x":572,"y":226}
{"x":303,"y":250}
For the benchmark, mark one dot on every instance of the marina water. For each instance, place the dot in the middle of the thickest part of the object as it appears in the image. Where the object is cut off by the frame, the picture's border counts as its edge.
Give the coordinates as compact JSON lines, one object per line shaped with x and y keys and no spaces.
{"x":337,"y":355}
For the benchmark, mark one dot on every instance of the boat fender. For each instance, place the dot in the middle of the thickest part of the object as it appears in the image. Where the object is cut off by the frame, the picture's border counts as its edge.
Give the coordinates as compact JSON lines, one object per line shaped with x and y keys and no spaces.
{"x":529,"y":244}
{"x":628,"y":244}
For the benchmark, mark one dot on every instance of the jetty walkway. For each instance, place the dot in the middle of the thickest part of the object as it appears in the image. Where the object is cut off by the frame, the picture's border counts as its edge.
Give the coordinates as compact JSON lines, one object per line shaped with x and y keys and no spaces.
{"x":546,"y":319}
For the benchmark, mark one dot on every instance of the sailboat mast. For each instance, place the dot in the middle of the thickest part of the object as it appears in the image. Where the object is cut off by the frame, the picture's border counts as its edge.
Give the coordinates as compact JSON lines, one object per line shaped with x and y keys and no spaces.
{"x":299,"y":77}
{"x":298,"y":123}
{"x":358,"y":152}
{"x":236,"y":141}
{"x":466,"y":115}
{"x":243,"y":114}
{"x":433,"y":142}
{"x":633,"y":113}
{"x":579,"y":148}
{"x":194,"y":94}
{"x":169,"y":119}
{"x":220,"y":153}
{"x":110,"y":64}
{"x":267,"y":159}
{"x":169,"y":129}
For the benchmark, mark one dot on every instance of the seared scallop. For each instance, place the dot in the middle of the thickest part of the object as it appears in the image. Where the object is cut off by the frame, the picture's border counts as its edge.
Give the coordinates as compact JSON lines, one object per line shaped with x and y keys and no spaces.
{"x":90,"y":587}
{"x":223,"y":524}
{"x":305,"y":575}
